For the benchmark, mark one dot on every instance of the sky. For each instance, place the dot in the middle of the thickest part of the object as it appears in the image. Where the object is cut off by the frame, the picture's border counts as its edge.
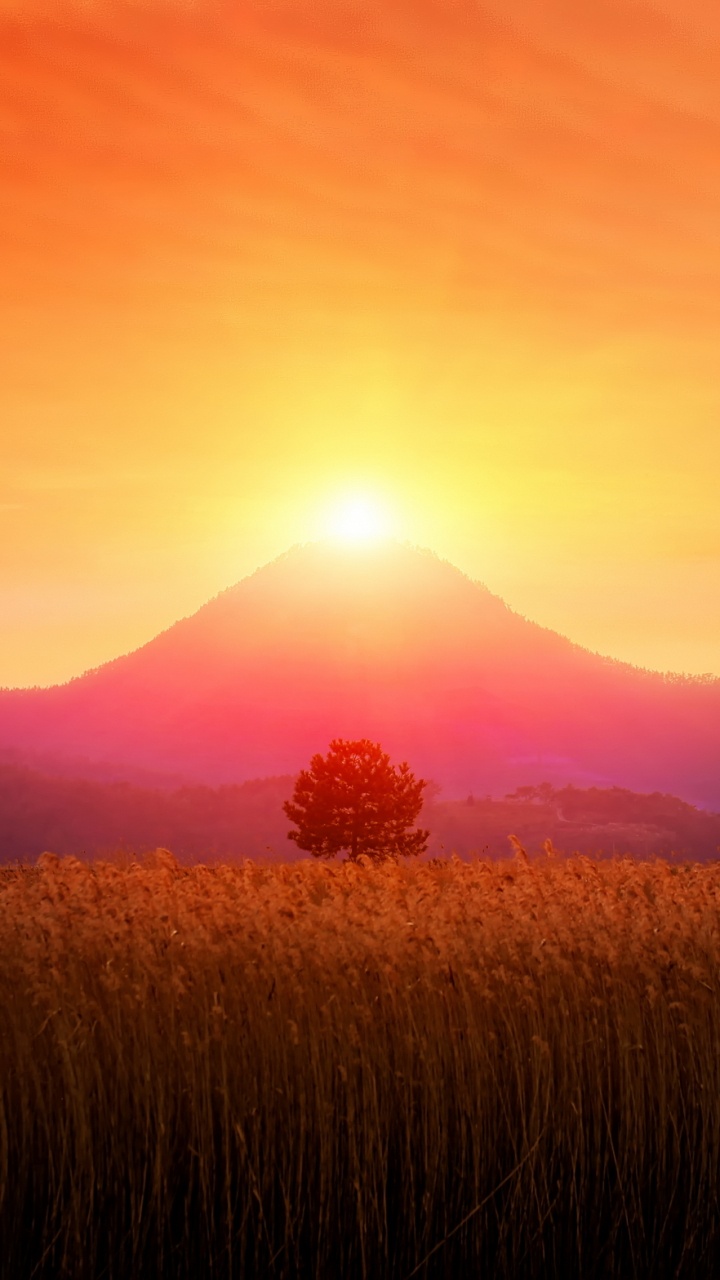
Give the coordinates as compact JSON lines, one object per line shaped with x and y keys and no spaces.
{"x":459,"y":259}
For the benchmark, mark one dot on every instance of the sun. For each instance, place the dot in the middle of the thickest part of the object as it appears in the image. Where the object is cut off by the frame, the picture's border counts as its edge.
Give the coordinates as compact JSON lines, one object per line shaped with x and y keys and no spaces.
{"x":358,"y":518}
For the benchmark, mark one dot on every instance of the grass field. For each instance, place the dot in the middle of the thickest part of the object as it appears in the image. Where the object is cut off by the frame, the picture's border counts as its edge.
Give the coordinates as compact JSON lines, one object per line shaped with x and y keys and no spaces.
{"x":327,"y":1072}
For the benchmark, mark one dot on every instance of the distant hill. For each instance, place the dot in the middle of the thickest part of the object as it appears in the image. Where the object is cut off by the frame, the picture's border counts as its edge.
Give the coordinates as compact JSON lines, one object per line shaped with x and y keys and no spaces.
{"x":39,"y":812}
{"x":388,"y":643}
{"x":94,"y":819}
{"x":599,"y":821}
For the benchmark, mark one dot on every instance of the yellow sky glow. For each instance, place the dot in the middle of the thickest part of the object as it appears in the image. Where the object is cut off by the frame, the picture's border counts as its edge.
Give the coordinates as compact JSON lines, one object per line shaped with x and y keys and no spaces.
{"x":461,"y":258}
{"x":358,"y":517}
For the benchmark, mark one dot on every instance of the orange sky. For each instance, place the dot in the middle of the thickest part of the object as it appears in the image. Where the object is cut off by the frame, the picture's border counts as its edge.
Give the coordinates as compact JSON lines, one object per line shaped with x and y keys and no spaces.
{"x":463,"y":256}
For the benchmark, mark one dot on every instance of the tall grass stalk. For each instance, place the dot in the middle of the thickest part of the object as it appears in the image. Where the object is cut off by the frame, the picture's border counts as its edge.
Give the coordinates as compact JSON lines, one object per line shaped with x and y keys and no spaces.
{"x":312,"y":1071}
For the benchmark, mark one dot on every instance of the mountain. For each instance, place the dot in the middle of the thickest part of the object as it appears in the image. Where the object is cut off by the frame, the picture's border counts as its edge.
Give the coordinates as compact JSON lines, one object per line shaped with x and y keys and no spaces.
{"x":384,"y":642}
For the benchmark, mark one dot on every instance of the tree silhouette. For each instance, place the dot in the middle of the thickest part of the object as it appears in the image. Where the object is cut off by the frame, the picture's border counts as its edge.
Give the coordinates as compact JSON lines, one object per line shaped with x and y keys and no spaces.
{"x":354,"y":799}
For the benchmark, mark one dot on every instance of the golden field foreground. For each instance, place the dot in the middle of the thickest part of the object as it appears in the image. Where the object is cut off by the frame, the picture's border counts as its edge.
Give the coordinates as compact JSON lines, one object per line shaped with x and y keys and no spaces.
{"x":451,"y":1070}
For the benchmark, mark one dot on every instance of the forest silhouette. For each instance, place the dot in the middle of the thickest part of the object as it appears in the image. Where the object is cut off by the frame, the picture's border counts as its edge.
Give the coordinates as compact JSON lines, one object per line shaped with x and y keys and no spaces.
{"x":40,"y":812}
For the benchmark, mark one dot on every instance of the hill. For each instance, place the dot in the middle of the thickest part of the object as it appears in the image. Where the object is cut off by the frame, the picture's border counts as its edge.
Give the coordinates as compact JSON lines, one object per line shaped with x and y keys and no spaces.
{"x":204,"y":824}
{"x":388,"y":643}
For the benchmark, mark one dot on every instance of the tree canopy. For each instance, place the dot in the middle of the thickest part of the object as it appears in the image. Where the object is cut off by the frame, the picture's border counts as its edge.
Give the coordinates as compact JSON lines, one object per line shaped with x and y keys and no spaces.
{"x":354,"y":800}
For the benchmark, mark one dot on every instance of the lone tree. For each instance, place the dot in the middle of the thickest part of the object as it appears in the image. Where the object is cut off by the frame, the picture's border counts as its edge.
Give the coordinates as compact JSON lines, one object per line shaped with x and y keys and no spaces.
{"x":354,"y":799}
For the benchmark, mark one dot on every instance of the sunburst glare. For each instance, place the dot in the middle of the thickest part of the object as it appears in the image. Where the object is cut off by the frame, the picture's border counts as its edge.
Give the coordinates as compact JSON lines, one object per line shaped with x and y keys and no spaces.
{"x":358,"y":518}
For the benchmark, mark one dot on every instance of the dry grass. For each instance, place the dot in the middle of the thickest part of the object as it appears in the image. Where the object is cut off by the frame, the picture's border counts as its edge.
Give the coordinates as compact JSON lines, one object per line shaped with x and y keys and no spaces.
{"x":451,"y":1070}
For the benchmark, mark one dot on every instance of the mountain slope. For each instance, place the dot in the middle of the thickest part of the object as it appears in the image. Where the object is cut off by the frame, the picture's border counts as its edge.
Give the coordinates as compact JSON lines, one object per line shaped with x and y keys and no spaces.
{"x":388,"y":643}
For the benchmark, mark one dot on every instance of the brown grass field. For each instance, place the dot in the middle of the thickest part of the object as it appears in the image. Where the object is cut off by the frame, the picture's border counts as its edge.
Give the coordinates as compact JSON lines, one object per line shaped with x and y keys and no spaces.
{"x":326,"y":1072}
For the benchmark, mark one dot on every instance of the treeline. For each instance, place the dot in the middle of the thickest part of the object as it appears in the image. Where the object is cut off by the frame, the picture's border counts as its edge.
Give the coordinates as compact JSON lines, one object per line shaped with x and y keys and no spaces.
{"x":40,"y":812}
{"x":601,"y":821}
